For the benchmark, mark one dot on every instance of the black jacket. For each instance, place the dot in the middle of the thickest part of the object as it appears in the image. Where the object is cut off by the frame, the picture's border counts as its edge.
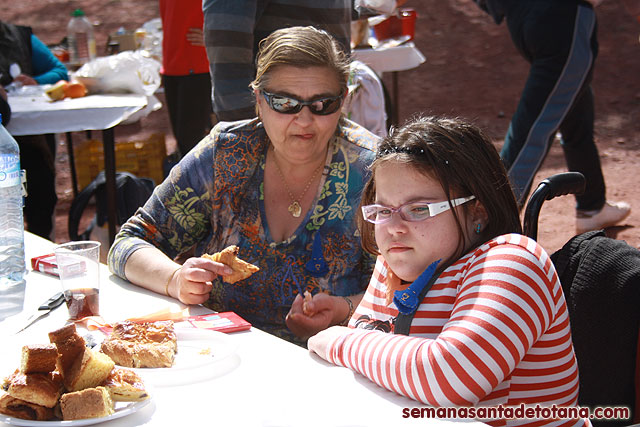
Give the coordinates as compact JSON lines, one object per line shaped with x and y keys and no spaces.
{"x":5,"y":110}
{"x":15,"y":47}
{"x":499,"y":9}
{"x":600,"y":278}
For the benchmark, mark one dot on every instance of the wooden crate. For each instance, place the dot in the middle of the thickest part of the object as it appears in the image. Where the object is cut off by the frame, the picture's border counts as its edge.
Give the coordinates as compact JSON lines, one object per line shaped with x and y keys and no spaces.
{"x":141,"y":158}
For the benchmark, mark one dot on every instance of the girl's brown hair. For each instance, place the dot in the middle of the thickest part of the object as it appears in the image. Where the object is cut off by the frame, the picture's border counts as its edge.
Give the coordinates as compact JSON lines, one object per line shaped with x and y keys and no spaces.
{"x":462,"y":159}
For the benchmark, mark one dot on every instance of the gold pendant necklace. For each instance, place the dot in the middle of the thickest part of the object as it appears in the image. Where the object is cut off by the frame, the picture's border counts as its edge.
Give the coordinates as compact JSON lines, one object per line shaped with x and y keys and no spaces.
{"x":294,"y":208}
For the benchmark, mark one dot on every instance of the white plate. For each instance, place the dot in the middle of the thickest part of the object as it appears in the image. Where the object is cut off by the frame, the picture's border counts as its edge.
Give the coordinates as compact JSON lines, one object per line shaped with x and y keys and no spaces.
{"x":202,"y":354}
{"x":122,"y":409}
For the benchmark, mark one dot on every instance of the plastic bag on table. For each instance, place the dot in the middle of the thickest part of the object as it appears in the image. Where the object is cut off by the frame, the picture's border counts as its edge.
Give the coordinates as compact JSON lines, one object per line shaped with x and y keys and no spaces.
{"x":366,"y":7}
{"x":126,"y":72}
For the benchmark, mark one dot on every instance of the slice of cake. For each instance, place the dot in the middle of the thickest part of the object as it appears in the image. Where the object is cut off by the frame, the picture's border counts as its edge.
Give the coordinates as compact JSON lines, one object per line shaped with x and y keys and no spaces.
{"x":39,"y":388}
{"x":88,"y":403}
{"x":88,"y":370}
{"x":142,"y":345}
{"x":69,"y":344}
{"x":21,"y":409}
{"x":124,"y":385}
{"x":38,"y":358}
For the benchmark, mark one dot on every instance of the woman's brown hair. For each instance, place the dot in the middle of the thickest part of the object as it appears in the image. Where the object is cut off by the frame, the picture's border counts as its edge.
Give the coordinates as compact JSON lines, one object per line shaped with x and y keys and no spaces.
{"x":462,"y":159}
{"x":300,"y":47}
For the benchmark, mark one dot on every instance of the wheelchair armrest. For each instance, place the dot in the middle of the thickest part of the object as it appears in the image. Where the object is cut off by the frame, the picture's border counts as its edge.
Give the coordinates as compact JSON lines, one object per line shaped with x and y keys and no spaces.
{"x":556,"y":185}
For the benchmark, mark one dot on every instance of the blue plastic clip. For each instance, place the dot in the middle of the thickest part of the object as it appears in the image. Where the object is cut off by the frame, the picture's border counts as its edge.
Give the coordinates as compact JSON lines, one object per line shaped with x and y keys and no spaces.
{"x":407,"y":300}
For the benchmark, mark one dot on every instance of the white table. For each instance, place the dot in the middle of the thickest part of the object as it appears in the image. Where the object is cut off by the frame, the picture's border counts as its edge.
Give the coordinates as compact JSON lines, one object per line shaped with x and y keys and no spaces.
{"x":267,"y":382}
{"x":393,"y":59}
{"x":37,"y":115}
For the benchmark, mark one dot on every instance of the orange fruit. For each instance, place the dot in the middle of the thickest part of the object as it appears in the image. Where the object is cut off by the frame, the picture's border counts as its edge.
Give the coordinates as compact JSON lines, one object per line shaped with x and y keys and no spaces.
{"x":75,"y":90}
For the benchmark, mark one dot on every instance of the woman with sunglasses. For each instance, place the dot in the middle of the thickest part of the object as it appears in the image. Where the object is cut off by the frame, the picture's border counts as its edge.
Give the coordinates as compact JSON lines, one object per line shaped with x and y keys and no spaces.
{"x":482,"y":306}
{"x":283,"y":187}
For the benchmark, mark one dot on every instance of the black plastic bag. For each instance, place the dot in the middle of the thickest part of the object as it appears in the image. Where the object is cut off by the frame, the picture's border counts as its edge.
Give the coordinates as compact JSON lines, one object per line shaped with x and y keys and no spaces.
{"x":131,"y":193}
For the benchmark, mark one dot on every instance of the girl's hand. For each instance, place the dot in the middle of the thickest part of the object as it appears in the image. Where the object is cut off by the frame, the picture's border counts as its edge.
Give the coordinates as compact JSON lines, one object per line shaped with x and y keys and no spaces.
{"x":191,"y":284}
{"x":323,"y":310}
{"x":320,"y":342}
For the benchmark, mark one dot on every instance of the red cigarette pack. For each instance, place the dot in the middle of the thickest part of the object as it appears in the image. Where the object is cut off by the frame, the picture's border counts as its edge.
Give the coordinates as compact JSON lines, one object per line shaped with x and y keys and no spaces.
{"x":45,"y":264}
{"x":227,"y":321}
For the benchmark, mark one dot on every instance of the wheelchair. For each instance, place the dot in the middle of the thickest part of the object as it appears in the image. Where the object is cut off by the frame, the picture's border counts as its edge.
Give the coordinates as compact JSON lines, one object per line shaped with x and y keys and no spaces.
{"x":600,"y":278}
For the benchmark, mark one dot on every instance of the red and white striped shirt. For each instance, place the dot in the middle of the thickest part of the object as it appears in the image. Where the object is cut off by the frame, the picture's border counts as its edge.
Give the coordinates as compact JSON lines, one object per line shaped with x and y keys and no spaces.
{"x":493,"y":329}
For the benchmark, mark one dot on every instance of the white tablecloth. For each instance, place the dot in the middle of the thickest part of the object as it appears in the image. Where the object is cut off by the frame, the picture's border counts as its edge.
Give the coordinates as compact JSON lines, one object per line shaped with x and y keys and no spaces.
{"x":398,"y":58}
{"x":37,"y":114}
{"x":267,"y":382}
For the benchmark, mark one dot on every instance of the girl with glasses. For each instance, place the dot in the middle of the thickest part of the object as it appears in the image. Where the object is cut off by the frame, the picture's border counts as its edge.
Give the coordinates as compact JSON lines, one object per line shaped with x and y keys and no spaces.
{"x":283,"y":187}
{"x":481,"y":305}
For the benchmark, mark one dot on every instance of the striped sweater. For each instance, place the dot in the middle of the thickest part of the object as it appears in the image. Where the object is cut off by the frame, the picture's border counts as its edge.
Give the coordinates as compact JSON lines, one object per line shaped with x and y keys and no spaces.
{"x":493,"y":329}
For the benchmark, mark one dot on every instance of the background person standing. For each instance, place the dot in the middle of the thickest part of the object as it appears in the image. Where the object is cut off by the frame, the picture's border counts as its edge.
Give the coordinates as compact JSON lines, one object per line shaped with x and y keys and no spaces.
{"x":37,"y":65}
{"x":185,"y":71}
{"x":558,"y":38}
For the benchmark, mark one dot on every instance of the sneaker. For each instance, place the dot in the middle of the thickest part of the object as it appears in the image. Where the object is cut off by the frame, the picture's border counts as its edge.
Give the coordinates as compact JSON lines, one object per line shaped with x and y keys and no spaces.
{"x":610,"y":214}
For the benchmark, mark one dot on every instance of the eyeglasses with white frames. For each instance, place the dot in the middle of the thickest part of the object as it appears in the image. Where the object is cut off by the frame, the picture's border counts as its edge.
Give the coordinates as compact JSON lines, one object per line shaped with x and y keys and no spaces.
{"x":411,"y":211}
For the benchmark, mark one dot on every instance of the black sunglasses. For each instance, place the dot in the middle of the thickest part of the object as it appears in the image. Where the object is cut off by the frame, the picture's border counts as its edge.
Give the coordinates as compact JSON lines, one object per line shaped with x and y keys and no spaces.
{"x":288,"y":105}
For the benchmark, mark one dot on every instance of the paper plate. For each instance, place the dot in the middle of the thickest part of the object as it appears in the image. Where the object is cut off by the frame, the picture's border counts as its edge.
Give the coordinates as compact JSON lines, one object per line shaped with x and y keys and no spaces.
{"x":202,"y":354}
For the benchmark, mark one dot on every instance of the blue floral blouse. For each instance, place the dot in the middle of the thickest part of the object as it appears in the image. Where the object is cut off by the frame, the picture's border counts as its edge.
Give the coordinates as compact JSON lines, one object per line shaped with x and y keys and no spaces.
{"x":214,"y":198}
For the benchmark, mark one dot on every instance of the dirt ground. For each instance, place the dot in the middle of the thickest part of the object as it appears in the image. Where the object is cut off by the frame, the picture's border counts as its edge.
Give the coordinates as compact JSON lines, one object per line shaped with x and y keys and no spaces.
{"x":472,"y":70}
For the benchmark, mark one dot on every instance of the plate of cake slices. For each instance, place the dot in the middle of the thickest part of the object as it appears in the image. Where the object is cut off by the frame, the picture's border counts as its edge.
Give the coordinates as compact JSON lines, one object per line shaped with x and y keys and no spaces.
{"x":168,"y":356}
{"x":66,"y":383}
{"x":122,"y":409}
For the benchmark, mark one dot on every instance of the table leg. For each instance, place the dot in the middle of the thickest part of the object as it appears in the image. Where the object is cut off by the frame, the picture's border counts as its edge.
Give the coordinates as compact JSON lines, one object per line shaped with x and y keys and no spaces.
{"x":72,"y":164}
{"x":110,"y":178}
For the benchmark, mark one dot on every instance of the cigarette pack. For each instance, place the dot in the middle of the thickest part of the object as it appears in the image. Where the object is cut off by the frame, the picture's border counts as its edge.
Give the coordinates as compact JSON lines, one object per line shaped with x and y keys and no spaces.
{"x":45,"y":264}
{"x":48,"y":264}
{"x":227,"y":321}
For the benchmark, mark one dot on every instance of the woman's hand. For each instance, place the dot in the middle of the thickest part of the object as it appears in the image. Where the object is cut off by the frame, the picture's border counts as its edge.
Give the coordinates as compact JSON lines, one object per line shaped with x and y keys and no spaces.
{"x":319,"y":343}
{"x":26,"y":80}
{"x":323,"y":311}
{"x":191,"y":284}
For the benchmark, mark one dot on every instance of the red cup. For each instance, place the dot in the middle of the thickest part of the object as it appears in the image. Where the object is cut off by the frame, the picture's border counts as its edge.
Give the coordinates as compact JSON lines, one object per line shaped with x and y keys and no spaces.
{"x":408,"y":21}
{"x":402,"y":24}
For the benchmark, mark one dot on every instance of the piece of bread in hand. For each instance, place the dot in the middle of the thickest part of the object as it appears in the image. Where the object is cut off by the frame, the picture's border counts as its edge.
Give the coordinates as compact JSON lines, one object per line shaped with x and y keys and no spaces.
{"x":306,"y":299}
{"x":229,"y":256}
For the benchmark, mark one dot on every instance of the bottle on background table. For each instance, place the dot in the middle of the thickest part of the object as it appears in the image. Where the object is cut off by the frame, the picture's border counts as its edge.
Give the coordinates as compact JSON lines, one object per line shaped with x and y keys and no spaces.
{"x":82,"y":44}
{"x":12,"y":263}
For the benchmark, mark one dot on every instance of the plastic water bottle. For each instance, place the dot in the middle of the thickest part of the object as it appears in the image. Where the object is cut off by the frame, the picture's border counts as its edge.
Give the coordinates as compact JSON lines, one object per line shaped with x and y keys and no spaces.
{"x":82,"y":44}
{"x":12,"y":264}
